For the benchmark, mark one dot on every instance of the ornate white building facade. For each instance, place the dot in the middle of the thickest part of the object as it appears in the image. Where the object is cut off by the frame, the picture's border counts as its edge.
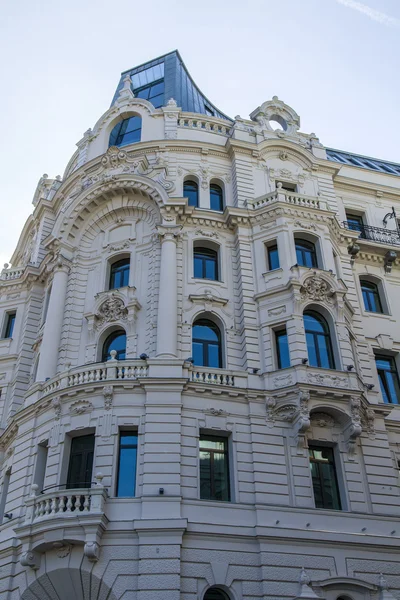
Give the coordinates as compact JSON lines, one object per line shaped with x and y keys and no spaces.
{"x":198,"y":362}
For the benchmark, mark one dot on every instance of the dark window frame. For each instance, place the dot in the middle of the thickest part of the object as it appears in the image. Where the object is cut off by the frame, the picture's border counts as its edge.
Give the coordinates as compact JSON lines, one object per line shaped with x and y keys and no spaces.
{"x":118,"y":133}
{"x":332,"y":463}
{"x":121,"y":268}
{"x":194,"y":193}
{"x":88,"y":456}
{"x":355,"y":223}
{"x":150,"y":86}
{"x":370,"y":289}
{"x":9,"y":324}
{"x":225,"y":452}
{"x":279,"y":333}
{"x":383,"y":382}
{"x":206,"y":343}
{"x":204,"y":254}
{"x":125,"y":433}
{"x":305,"y":247}
{"x":273,"y":248}
{"x":327,"y":335}
{"x":216,"y":191}
{"x":107,"y":343}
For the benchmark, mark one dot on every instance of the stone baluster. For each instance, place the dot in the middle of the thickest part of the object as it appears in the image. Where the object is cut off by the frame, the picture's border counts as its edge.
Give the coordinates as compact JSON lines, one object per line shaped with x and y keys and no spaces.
{"x":54,"y":320}
{"x":167,"y":322}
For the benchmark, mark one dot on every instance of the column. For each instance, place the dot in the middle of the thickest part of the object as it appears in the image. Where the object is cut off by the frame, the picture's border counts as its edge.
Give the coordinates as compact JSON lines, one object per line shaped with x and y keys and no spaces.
{"x":167,"y":320}
{"x":54,"y":320}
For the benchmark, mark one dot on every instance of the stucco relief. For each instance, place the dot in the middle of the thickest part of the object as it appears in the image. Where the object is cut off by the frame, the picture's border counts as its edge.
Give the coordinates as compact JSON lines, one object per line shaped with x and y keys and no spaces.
{"x":111,"y":310}
{"x":316,"y":288}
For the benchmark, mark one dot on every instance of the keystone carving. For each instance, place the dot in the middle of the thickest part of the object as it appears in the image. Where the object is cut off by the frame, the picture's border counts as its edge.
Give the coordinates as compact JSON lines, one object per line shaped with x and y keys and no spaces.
{"x":316,"y":288}
{"x":112,"y":309}
{"x":62,"y":550}
{"x":322,"y":419}
{"x":80,"y":407}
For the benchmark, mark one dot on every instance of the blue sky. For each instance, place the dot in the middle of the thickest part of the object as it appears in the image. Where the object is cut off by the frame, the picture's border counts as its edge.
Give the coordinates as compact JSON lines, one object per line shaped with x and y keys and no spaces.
{"x":336,"y":62}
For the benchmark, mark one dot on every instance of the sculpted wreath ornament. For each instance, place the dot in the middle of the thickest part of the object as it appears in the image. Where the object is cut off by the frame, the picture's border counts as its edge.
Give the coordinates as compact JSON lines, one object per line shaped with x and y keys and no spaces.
{"x":316,"y":288}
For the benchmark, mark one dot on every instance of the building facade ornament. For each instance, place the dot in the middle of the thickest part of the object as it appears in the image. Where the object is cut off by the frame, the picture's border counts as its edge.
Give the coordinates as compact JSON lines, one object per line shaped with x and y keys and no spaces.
{"x":108,"y":393}
{"x":318,"y":289}
{"x":111,"y":310}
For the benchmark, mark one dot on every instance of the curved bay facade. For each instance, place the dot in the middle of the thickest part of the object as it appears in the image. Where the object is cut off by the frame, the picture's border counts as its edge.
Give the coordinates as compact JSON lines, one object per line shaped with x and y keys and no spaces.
{"x":199,"y":362}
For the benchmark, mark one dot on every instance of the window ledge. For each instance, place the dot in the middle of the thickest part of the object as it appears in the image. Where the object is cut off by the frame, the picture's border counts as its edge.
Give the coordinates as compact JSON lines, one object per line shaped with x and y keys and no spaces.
{"x":5,"y":342}
{"x":208,"y":281}
{"x":370,"y":313}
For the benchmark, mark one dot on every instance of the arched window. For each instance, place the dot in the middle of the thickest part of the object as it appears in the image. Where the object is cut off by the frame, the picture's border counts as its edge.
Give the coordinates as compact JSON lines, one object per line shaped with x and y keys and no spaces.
{"x":371,"y":297}
{"x":205,"y":263}
{"x":115,"y":341}
{"x":318,"y":339}
{"x":191,"y":191}
{"x":119,"y":274}
{"x":126,"y":132}
{"x":216,"y":197}
{"x":206,"y":344}
{"x":305,"y":253}
{"x":215,"y":594}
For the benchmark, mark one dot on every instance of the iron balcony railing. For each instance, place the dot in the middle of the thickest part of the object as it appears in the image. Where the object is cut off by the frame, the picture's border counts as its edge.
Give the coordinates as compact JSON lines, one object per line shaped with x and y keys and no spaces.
{"x":375,"y":234}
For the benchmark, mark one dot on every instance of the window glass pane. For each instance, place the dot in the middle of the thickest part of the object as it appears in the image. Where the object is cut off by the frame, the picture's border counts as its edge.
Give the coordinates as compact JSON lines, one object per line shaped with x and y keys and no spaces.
{"x":156,"y":89}
{"x":197,"y":354}
{"x":273,"y":258}
{"x":119,"y":274}
{"x":393,"y":387}
{"x":323,"y":473}
{"x":116,"y":341}
{"x":221,"y":477}
{"x":205,"y":475}
{"x":323,"y":351}
{"x":210,"y":269}
{"x":384,"y":363}
{"x":319,"y":503}
{"x":213,"y":356}
{"x":10,"y":325}
{"x":216,"y":202}
{"x":157,"y":101}
{"x":127,"y":464}
{"x":204,"y":332}
{"x":311,"y":323}
{"x":198,"y":266}
{"x":190,"y":191}
{"x":282,"y":350}
{"x":382,"y":382}
{"x":312,"y":354}
{"x":213,"y":443}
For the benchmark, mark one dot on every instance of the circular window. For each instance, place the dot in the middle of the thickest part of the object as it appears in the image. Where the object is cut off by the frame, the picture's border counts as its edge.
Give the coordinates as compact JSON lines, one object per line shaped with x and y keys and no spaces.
{"x":277,"y":123}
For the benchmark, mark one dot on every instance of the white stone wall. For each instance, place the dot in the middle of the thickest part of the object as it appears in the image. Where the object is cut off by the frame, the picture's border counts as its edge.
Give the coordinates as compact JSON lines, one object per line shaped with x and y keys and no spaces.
{"x":128,"y":202}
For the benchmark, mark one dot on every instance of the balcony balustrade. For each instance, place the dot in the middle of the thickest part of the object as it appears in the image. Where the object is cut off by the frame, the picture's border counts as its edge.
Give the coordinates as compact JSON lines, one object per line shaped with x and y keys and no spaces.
{"x":212,"y":376}
{"x":375,"y":234}
{"x":97,"y":372}
{"x":287,"y":197}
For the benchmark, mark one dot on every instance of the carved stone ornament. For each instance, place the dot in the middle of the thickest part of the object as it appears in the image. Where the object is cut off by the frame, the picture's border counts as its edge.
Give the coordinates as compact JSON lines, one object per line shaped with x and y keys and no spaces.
{"x":30,"y":559}
{"x":368,"y":421}
{"x":286,"y":413}
{"x":205,"y":233}
{"x":303,"y":423}
{"x":282,"y":381}
{"x":217,"y":412}
{"x":316,"y":288}
{"x":321,"y":419}
{"x":56,"y":404}
{"x":111,"y":310}
{"x":62,"y":550}
{"x":270,"y":404}
{"x":92,"y":551}
{"x":81,"y":407}
{"x":355,"y":429}
{"x":108,"y":392}
{"x":328,"y":380}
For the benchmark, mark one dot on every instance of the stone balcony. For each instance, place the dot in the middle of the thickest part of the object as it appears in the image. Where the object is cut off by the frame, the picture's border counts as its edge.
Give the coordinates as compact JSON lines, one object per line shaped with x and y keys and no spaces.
{"x":91,"y":374}
{"x":292,"y":198}
{"x":60,"y":518}
{"x":321,"y":381}
{"x":212,"y":376}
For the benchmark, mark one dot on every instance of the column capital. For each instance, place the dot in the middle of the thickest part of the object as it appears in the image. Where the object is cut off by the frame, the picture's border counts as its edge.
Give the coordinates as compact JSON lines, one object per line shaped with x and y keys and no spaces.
{"x":59,"y":264}
{"x":169,"y":232}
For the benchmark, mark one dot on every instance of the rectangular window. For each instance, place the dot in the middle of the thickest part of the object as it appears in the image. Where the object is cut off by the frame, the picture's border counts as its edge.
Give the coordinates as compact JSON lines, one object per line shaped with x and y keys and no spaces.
{"x":127,"y":459}
{"x":273,"y":257}
{"x":287,"y":186}
{"x":388,"y":378}
{"x":40,"y":466}
{"x":214,"y":468}
{"x":282,"y":348}
{"x":4,"y":492}
{"x":324,"y":479}
{"x":81,"y":462}
{"x":355,"y":223}
{"x":9,"y":324}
